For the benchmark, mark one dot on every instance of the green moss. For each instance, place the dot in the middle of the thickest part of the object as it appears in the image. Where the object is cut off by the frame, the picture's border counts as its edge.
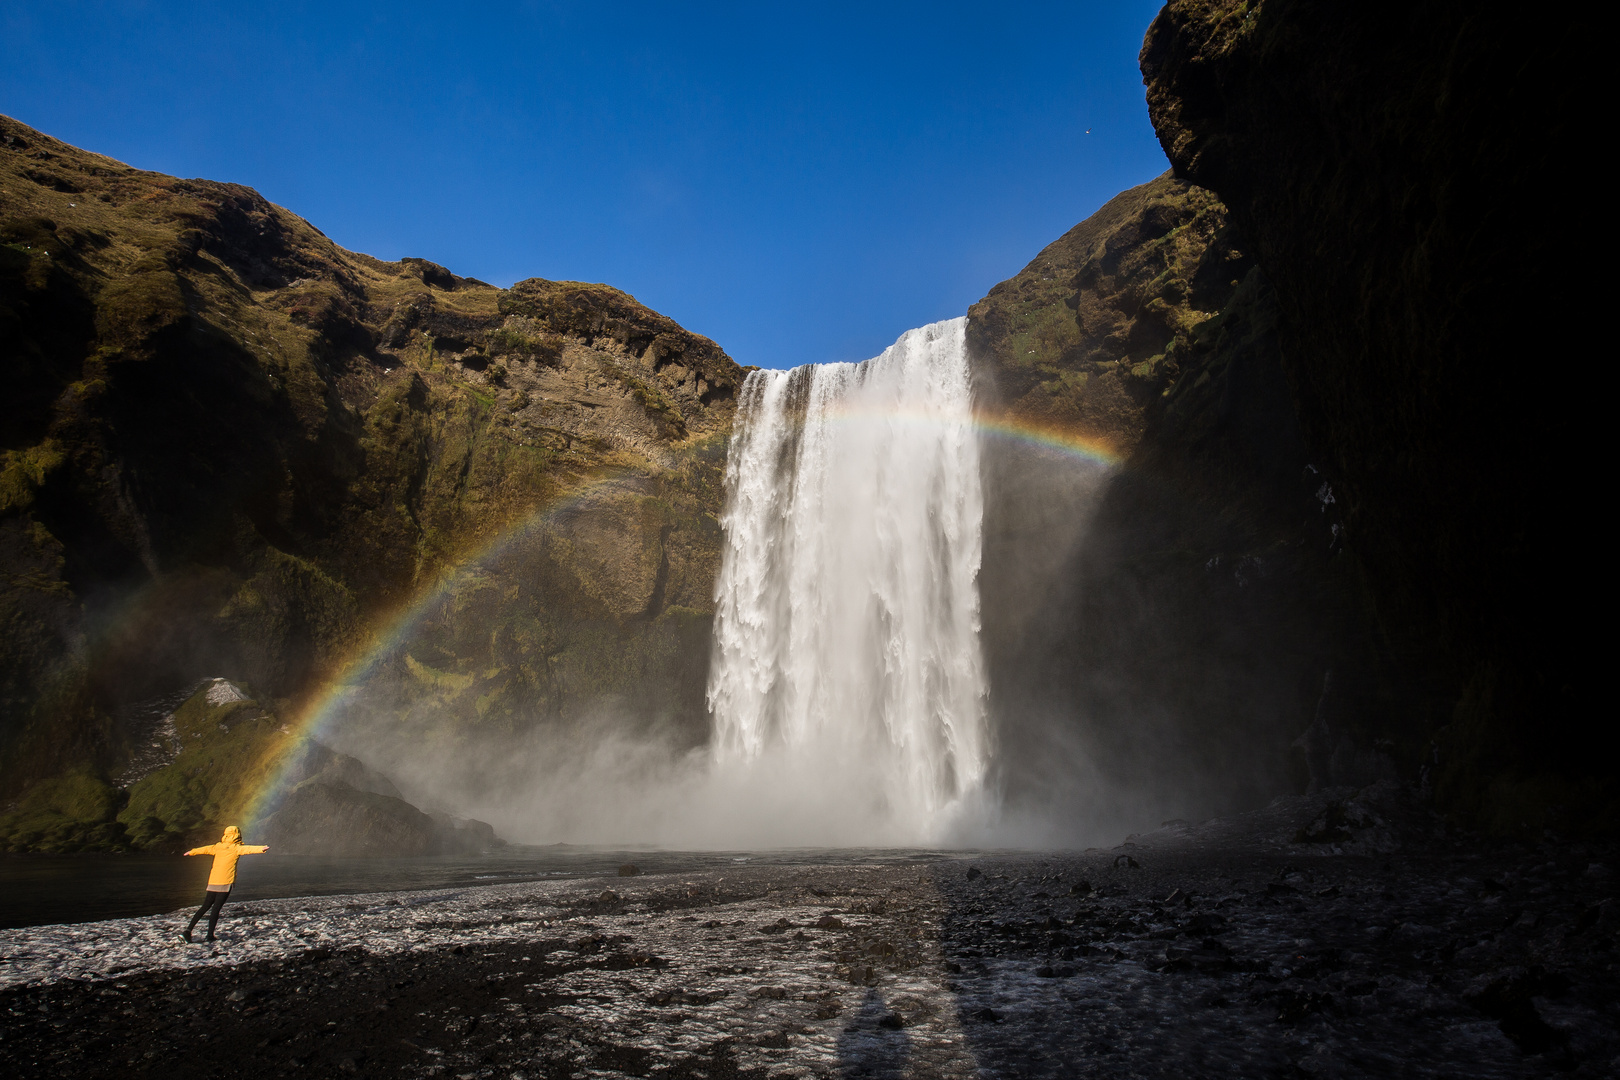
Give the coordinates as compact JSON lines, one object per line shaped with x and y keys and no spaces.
{"x":68,"y":813}
{"x":289,"y":598}
{"x":77,"y":795}
{"x":148,"y":299}
{"x":515,"y":339}
{"x":443,"y":681}
{"x":651,"y":396}
{"x":51,"y":832}
{"x":228,"y":755}
{"x":22,"y":472}
{"x":1040,"y":333}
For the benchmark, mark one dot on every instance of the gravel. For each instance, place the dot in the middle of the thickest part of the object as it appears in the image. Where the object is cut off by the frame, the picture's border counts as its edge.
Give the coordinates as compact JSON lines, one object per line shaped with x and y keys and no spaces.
{"x":1346,"y":934}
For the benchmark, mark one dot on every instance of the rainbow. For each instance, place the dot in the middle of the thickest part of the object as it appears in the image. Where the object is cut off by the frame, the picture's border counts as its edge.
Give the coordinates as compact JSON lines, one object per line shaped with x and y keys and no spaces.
{"x":1001,"y":426}
{"x":1048,"y":437}
{"x":327,"y":701}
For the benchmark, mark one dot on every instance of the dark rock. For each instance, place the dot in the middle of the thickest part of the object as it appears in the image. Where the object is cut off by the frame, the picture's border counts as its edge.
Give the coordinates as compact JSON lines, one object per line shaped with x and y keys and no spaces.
{"x":324,"y":765}
{"x":1099,"y":615}
{"x":629,"y":870}
{"x":321,"y":818}
{"x":1508,"y":1000}
{"x":1294,"y":1006}
{"x":337,"y":805}
{"x":1403,"y":351}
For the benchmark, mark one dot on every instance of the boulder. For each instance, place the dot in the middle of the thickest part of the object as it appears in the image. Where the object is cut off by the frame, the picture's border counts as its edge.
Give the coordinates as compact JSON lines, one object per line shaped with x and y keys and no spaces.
{"x":325,"y":816}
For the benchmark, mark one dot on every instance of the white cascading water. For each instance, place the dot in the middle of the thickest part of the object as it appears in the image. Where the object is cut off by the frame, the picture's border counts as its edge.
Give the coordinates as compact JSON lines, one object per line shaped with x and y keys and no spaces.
{"x":846,"y":650}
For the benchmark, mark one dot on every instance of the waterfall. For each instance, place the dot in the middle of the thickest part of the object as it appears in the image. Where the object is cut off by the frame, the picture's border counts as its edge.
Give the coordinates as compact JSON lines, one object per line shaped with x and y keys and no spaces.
{"x":846,"y":644}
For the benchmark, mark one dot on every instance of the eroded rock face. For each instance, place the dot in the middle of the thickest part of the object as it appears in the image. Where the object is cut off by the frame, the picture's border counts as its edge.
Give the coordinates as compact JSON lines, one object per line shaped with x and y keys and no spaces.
{"x":1217,"y":617}
{"x":232,"y":447}
{"x":326,"y":816}
{"x":1092,"y":331}
{"x":1159,"y":619}
{"x":1391,"y":169}
{"x":1081,"y":345}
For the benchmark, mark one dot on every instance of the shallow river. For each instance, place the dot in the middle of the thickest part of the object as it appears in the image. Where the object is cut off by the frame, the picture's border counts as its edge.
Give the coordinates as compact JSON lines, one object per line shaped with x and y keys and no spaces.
{"x":38,"y":890}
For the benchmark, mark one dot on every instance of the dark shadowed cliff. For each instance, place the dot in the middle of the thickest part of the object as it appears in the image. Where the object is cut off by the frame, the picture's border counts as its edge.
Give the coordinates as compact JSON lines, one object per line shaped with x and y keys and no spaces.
{"x":1346,"y":533}
{"x":232,"y":448}
{"x":1159,"y":631}
{"x":1397,"y":171}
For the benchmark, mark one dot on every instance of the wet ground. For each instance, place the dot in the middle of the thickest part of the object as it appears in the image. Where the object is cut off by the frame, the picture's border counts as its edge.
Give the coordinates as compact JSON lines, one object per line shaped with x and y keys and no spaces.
{"x":1333,"y":936}
{"x":37,"y":890}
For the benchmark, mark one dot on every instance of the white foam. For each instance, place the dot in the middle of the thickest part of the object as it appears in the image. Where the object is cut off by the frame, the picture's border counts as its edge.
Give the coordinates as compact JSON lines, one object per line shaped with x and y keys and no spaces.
{"x":847,"y":683}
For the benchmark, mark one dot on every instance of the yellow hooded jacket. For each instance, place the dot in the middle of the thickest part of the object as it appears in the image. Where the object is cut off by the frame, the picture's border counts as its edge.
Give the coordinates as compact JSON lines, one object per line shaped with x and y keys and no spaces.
{"x":225,"y":854}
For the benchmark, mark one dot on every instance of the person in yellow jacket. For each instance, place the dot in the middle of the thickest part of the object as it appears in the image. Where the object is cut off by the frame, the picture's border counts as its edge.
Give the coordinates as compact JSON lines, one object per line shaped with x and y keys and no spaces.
{"x":222,"y":876}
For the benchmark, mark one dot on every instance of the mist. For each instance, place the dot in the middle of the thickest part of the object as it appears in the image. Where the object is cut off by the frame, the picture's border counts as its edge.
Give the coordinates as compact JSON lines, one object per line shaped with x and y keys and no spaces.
{"x":888,"y":667}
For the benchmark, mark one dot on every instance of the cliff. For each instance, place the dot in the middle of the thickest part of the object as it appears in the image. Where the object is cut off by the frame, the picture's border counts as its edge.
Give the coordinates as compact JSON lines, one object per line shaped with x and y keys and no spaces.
{"x":1159,"y":628}
{"x":1395,"y":171}
{"x":1089,"y":334}
{"x":232,"y":448}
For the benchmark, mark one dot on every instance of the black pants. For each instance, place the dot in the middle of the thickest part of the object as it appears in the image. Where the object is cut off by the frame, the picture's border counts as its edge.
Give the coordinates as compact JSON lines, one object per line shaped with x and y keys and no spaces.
{"x":212,"y":902}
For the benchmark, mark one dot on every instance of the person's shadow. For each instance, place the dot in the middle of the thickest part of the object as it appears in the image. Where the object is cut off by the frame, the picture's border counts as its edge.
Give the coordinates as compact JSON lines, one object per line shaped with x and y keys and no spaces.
{"x":873,"y":1044}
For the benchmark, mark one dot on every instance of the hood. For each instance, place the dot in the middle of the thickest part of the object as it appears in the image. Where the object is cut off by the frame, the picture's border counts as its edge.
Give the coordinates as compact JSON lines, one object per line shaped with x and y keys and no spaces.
{"x":233,"y":835}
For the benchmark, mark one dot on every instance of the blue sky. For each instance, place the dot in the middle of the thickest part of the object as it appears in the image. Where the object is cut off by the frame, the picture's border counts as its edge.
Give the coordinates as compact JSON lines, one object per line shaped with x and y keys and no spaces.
{"x":799,"y":182}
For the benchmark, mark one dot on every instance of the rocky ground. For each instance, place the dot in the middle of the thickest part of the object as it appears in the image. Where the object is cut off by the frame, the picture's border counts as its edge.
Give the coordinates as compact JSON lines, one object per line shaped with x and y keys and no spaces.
{"x":1333,"y":935}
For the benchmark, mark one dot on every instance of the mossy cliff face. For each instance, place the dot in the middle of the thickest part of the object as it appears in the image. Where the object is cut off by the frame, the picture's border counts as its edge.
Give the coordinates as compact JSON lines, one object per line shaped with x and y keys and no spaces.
{"x":233,"y":448}
{"x":1092,"y":331}
{"x":1391,"y":168}
{"x":1158,"y":631}
{"x":1083,"y":342}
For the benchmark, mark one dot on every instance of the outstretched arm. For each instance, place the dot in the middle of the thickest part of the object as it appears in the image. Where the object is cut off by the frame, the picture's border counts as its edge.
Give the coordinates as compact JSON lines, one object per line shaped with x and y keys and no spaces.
{"x":208,"y":850}
{"x":255,"y":849}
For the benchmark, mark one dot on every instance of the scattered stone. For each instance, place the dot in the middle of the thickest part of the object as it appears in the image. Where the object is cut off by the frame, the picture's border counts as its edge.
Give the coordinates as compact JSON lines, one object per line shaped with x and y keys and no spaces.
{"x":1293,"y":1006}
{"x":530,"y":977}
